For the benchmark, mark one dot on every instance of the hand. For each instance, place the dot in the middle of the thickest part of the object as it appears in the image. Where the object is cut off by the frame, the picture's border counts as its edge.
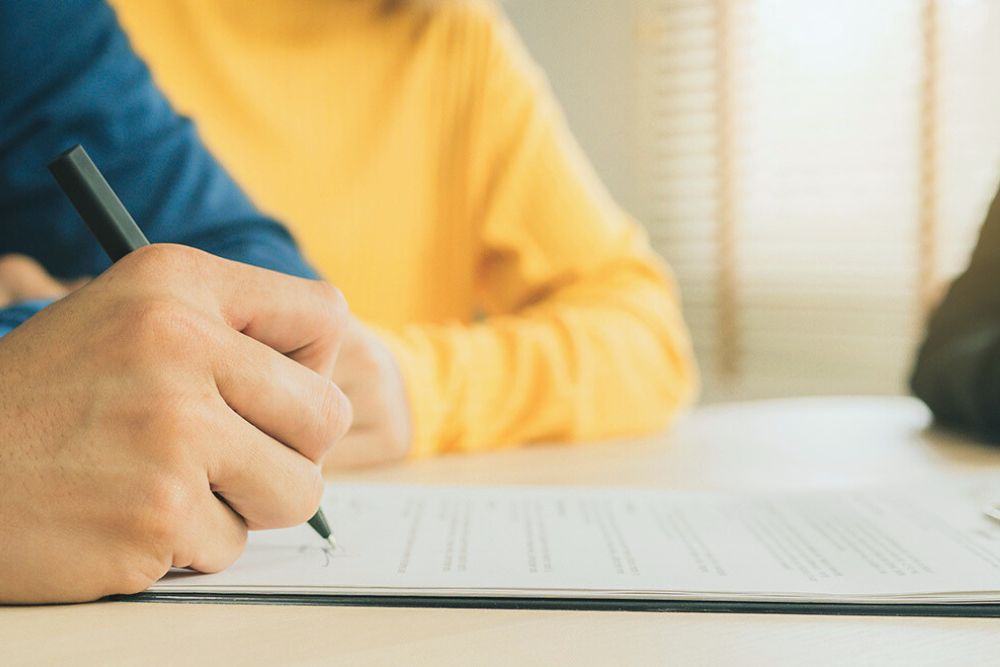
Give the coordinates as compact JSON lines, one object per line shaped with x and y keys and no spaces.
{"x":24,"y":279}
{"x":367,"y":373}
{"x":133,"y":407}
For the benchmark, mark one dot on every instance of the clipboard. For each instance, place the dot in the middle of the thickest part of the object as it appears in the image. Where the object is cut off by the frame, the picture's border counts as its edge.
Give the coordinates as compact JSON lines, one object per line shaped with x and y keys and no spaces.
{"x":972,"y":610}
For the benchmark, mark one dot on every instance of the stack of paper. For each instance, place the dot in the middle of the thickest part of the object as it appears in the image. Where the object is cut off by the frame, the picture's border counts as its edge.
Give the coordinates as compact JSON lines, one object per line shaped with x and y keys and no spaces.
{"x":927,"y":544}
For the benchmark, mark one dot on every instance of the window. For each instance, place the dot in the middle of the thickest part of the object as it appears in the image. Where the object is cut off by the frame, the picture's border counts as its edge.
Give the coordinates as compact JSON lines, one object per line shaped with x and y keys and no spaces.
{"x":816,"y":170}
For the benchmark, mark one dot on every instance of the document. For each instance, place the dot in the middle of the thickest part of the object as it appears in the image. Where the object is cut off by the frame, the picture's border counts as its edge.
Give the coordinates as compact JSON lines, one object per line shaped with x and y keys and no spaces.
{"x":926,"y":544}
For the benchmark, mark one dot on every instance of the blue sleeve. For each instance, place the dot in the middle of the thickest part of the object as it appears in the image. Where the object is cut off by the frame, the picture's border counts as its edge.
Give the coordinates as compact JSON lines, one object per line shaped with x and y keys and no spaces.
{"x":14,"y":315}
{"x":68,"y":75}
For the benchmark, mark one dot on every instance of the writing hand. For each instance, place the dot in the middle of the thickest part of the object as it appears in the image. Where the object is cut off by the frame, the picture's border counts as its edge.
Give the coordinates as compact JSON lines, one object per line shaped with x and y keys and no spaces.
{"x":130,"y":407}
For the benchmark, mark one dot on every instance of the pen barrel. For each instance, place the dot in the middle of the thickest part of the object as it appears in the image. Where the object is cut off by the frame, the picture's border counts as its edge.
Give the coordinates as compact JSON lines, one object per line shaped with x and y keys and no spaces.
{"x":319,"y":523}
{"x":97,"y":203}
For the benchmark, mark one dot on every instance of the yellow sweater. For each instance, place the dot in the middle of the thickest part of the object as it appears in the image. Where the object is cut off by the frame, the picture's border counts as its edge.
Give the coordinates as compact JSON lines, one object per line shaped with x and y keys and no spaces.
{"x":418,"y":156}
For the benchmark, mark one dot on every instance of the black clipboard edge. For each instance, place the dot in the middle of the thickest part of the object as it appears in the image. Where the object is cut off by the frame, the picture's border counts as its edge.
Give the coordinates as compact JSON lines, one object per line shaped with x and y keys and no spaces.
{"x":972,"y":610}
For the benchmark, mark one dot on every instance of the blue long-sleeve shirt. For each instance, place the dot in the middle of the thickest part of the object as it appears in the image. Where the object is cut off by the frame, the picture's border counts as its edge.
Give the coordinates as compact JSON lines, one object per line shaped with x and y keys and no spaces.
{"x":68,"y":75}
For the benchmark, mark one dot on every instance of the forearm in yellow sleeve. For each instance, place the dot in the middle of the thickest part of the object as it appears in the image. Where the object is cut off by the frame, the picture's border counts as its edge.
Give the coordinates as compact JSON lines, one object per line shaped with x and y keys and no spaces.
{"x":584,"y":337}
{"x":603,"y":358}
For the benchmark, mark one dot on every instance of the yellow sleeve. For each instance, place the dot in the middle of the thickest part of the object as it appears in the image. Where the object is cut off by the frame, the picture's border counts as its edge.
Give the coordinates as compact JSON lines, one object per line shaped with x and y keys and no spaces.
{"x":582,"y":336}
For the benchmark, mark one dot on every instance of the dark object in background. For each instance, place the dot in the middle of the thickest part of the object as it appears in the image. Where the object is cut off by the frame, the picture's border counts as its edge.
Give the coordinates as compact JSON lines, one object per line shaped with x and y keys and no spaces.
{"x":957,"y":372}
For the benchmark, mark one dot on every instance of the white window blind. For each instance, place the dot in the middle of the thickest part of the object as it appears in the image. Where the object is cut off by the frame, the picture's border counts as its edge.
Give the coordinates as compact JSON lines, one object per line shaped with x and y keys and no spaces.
{"x":816,"y":170}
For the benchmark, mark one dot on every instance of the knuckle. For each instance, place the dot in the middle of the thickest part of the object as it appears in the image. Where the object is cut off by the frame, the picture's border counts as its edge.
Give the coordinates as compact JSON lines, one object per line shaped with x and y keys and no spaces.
{"x":161,"y":268}
{"x":164,"y":423}
{"x":335,"y":308}
{"x":169,"y":503}
{"x":158,"y":327}
{"x":165,"y":318}
{"x":157,"y":259}
{"x":333,"y":411}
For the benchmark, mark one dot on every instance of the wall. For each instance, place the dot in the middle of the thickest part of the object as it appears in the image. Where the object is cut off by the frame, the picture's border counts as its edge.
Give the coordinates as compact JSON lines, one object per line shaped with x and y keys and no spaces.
{"x":587,"y":48}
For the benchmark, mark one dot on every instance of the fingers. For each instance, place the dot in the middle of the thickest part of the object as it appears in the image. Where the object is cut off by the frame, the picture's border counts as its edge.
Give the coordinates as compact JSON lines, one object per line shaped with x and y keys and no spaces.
{"x":286,"y":400}
{"x":304,"y":319}
{"x":76,"y":283}
{"x":22,"y":279}
{"x":266,"y":483}
{"x":301,"y":318}
{"x":215,"y":537}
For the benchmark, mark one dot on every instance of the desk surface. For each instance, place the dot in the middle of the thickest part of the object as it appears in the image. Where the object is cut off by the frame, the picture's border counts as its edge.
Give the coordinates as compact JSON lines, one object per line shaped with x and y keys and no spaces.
{"x":790,"y":444}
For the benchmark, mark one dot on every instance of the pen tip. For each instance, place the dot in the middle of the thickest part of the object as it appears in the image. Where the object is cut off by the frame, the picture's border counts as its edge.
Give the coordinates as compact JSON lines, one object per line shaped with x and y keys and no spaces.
{"x":332,"y":541}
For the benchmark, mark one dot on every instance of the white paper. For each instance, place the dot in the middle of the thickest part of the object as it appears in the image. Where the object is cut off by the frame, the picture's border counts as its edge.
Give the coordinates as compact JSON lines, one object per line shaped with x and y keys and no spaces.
{"x":930,"y":543}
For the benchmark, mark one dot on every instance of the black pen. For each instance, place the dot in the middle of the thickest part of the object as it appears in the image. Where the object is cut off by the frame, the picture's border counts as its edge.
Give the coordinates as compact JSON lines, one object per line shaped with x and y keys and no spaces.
{"x":116,"y":231}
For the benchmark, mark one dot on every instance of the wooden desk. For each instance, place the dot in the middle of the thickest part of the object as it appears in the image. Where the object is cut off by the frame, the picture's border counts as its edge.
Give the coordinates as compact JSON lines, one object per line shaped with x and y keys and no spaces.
{"x":803,"y":443}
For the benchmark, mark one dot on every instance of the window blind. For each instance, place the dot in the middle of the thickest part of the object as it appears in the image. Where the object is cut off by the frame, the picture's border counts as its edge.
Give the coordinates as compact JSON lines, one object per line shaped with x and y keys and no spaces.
{"x":815,"y":172}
